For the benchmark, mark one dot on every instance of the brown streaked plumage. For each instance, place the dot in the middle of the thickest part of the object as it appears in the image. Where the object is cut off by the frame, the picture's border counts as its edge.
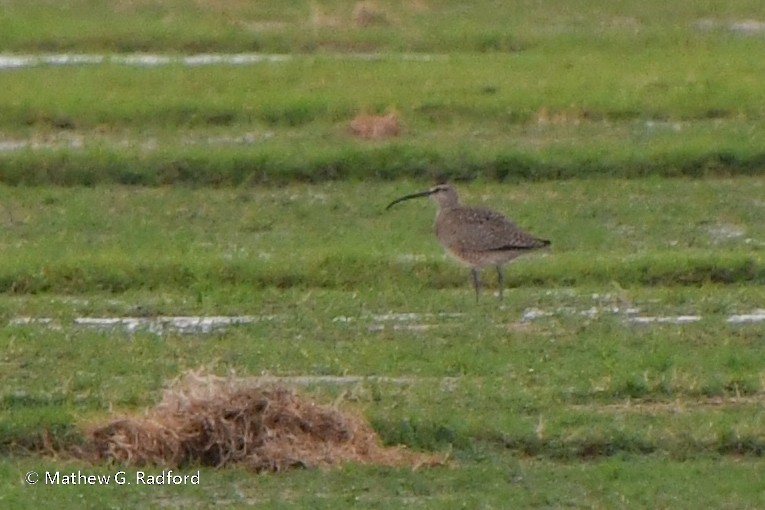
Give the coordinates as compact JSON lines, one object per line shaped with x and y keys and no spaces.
{"x":476,"y":237}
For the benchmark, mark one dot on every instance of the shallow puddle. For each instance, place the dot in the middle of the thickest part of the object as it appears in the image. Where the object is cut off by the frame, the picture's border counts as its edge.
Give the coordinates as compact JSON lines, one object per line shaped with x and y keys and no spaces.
{"x":9,"y":61}
{"x":400,"y":321}
{"x":632,"y":315}
{"x":14,"y":61}
{"x":194,"y":324}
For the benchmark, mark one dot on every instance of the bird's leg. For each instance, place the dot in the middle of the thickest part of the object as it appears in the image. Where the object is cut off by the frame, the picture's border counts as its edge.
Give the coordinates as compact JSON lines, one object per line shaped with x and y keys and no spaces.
{"x":500,"y":280}
{"x":476,"y":282}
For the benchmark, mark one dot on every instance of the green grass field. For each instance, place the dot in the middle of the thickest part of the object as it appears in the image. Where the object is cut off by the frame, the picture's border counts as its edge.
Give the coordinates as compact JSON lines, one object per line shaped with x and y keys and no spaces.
{"x":642,"y":89}
{"x":617,"y":372}
{"x":580,"y":391}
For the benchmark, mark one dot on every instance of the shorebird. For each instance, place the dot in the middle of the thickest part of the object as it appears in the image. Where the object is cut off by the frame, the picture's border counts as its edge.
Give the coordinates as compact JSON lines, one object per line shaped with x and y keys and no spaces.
{"x":476,"y":237}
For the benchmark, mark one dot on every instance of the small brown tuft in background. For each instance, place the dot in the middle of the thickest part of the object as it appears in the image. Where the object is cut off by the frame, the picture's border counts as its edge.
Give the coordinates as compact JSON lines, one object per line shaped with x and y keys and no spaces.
{"x":376,"y":127}
{"x":366,"y":13}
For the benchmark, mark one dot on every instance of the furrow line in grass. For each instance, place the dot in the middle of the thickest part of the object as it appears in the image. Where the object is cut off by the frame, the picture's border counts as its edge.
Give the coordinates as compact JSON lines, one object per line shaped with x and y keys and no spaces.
{"x":340,"y":271}
{"x":678,"y":405}
{"x":230,"y":165}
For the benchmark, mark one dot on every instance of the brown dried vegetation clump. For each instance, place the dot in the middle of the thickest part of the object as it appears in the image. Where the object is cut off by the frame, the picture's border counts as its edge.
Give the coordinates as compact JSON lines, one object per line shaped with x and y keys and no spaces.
{"x":218,"y":421}
{"x":376,"y":127}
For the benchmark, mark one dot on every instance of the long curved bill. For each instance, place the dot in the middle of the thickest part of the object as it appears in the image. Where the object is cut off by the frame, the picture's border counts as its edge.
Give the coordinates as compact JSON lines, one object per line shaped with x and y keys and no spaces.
{"x":407,"y":197}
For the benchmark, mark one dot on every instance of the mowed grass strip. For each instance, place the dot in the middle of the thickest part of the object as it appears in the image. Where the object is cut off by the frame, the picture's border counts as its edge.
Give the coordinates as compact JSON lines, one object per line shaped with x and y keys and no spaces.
{"x":354,"y":26}
{"x":234,"y":164}
{"x":631,"y":233}
{"x":510,"y":89}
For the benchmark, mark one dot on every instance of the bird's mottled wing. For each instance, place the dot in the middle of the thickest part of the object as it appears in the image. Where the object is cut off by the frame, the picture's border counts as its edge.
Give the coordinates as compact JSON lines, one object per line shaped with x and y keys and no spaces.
{"x":475,"y":229}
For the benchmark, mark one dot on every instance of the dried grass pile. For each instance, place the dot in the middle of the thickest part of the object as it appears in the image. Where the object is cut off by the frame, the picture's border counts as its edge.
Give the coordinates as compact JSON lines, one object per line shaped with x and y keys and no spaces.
{"x":220,"y":421}
{"x":376,"y":127}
